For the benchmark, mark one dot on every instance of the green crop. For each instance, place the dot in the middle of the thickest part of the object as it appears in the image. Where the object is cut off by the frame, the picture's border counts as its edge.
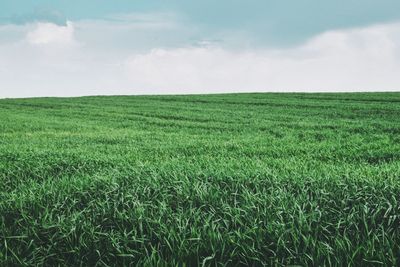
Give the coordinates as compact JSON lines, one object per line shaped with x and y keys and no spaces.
{"x":214,"y":180}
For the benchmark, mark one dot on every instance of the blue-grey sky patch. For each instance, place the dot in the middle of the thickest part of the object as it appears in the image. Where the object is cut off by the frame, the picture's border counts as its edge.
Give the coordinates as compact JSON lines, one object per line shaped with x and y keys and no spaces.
{"x":36,"y":15}
{"x":269,"y":22}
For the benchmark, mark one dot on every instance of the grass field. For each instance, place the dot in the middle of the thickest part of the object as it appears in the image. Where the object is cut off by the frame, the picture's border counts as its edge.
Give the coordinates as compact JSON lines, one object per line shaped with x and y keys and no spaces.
{"x":239,"y":179}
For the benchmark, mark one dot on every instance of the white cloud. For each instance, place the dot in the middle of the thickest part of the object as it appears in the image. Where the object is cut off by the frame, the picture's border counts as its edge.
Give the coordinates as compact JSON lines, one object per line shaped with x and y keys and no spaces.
{"x":50,"y":33}
{"x":365,"y":59}
{"x":354,"y":60}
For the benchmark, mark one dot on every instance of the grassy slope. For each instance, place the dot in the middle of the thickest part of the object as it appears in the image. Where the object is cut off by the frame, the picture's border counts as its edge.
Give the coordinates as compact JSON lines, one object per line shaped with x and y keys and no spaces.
{"x":231,"y":179}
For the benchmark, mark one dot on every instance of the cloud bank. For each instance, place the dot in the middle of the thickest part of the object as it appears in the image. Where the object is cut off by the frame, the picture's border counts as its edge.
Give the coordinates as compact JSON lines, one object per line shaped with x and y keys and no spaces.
{"x":141,"y":55}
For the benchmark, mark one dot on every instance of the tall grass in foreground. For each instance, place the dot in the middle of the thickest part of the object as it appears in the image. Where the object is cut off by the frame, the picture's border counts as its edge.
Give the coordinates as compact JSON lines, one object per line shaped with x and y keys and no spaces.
{"x":226,"y":180}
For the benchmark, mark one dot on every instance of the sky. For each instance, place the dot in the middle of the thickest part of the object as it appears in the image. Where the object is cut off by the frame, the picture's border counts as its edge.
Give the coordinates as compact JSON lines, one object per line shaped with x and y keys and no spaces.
{"x":121,"y":47}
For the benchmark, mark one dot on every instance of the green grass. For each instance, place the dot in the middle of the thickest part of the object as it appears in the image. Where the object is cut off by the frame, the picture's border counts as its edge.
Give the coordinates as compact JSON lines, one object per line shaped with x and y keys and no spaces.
{"x":240,"y":179}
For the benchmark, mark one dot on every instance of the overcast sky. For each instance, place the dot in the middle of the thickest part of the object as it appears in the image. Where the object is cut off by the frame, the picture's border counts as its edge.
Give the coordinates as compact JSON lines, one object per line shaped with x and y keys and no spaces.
{"x":96,"y":47}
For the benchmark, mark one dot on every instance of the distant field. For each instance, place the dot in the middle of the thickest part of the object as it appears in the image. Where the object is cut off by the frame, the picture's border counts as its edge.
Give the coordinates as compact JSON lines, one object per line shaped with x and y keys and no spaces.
{"x":239,"y":179}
